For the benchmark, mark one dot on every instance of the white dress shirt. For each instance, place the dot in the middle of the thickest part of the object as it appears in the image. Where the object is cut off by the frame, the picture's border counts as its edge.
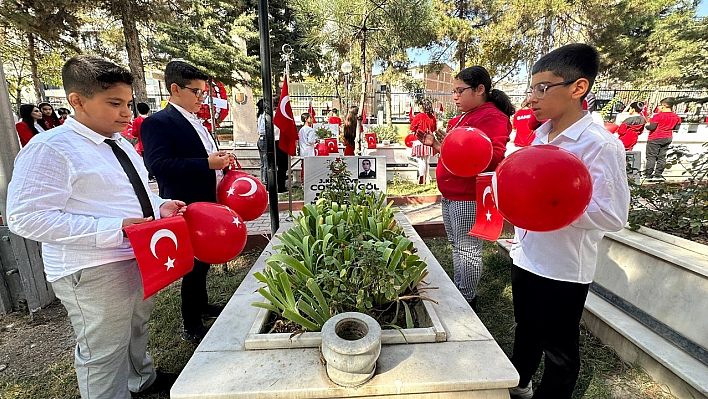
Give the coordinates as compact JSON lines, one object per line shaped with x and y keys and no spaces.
{"x":39,"y":128}
{"x":308,"y":139}
{"x":204,"y":135}
{"x":67,"y":182}
{"x":570,"y":254}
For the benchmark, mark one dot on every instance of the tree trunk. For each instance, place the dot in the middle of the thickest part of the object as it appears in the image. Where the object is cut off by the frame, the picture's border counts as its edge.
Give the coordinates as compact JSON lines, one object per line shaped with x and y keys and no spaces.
{"x":389,"y":106}
{"x":461,"y":48}
{"x":132,"y":46}
{"x":547,"y":34}
{"x":32,"y":51}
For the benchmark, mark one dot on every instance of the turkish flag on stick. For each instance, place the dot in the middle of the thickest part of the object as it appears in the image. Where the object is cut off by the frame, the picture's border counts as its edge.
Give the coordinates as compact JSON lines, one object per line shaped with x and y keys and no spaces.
{"x":370,"y":140}
{"x":363,"y":118}
{"x":441,"y":108}
{"x":311,"y":110}
{"x":488,"y":223}
{"x":163,"y":251}
{"x":332,"y":146}
{"x":410,"y":113}
{"x":283,"y":119}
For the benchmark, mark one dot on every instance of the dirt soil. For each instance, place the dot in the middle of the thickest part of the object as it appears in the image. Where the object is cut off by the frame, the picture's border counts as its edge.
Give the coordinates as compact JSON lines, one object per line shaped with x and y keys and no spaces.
{"x":29,"y":345}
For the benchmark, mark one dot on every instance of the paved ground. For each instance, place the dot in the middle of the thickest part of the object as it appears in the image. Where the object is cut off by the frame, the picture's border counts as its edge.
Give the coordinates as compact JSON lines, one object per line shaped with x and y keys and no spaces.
{"x":416,"y":214}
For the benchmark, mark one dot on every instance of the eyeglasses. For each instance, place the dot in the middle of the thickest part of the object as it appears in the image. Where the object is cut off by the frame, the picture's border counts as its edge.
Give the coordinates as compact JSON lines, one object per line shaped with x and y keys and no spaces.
{"x":460,"y":90}
{"x":197,"y":92}
{"x":539,"y":90}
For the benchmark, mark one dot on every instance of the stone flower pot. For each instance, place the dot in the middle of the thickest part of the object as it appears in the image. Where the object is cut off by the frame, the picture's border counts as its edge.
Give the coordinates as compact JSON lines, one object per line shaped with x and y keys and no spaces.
{"x":351,"y":344}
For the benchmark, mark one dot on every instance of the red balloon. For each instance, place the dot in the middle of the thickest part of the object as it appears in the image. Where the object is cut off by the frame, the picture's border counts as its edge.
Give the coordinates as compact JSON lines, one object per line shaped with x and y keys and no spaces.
{"x":243,"y":193}
{"x":410,"y":139}
{"x":321,"y":150}
{"x":611,"y":127}
{"x":542,"y":188}
{"x":467,"y":151}
{"x":218,"y":234}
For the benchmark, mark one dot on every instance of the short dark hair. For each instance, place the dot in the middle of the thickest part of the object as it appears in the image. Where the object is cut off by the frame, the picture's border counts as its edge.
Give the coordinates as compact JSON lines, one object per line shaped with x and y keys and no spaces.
{"x":571,"y":62}
{"x":88,"y":75}
{"x":669,"y":102}
{"x":62,"y":111}
{"x":304,"y":116}
{"x":637,"y":106}
{"x":143,"y":108}
{"x":477,"y":75}
{"x":182,"y":73}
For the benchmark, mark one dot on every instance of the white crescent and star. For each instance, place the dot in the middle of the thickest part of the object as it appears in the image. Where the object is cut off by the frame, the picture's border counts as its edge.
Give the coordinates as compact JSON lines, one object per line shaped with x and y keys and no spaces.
{"x":487,"y":190}
{"x":230,"y":191}
{"x":236,"y":221}
{"x":253,"y":189}
{"x":162,"y":233}
{"x":284,"y":101}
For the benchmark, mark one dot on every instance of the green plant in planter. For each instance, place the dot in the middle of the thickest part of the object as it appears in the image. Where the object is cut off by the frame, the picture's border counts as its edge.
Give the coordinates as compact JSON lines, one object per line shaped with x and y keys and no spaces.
{"x":323,"y":133}
{"x":675,"y":208}
{"x":384,"y":132}
{"x":343,"y":257}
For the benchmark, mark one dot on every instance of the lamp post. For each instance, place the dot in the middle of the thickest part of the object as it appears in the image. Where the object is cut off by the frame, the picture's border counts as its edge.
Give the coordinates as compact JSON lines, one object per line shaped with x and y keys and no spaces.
{"x":347,"y":69}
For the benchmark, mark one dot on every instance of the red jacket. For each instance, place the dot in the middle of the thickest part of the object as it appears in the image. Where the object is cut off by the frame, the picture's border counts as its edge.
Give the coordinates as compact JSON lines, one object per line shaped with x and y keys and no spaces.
{"x":665,"y":121}
{"x":49,"y":122}
{"x":25,"y":133}
{"x":495,"y":124}
{"x":335,"y":120}
{"x":424,"y":123}
{"x":136,"y":133}
{"x":629,"y":131}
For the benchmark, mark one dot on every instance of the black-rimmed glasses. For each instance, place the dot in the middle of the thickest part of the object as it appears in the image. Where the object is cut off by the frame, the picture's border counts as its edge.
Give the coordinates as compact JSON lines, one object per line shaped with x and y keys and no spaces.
{"x":197,"y":92}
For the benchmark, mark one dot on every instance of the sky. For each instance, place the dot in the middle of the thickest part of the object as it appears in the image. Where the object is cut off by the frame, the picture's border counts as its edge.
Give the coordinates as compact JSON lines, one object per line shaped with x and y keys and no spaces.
{"x":702,"y":8}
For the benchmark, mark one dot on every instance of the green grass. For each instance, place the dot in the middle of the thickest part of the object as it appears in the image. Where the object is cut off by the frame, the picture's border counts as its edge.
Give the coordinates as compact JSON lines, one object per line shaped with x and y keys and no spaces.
{"x":602,"y":375}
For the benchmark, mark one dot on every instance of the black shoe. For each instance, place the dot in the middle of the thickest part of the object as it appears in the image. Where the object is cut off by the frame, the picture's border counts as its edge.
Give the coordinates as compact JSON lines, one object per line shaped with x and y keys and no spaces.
{"x":473,"y":304}
{"x":162,"y":384}
{"x":212,"y":311}
{"x":196,"y":335}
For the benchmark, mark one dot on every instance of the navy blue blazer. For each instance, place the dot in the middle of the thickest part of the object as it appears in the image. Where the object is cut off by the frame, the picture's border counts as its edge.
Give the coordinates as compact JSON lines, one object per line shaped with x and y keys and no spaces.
{"x":176,"y":156}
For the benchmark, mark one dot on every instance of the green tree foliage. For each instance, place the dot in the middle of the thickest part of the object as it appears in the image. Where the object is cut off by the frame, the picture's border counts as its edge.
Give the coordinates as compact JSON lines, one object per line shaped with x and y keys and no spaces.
{"x":207,"y":34}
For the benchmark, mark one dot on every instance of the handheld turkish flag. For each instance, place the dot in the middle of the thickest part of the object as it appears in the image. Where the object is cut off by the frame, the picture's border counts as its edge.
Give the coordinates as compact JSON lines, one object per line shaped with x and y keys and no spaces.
{"x":645,"y":110}
{"x":370,"y":140}
{"x":163,"y":251}
{"x":489,"y":222}
{"x":410,"y":113}
{"x":283,"y":119}
{"x":363,"y":117}
{"x":311,"y":110}
{"x":441,"y":108}
{"x":332,"y":146}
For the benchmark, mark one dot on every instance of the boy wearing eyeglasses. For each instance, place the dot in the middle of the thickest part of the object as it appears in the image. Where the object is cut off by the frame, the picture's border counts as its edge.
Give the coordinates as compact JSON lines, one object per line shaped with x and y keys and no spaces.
{"x":552,"y":271}
{"x":185,"y":160}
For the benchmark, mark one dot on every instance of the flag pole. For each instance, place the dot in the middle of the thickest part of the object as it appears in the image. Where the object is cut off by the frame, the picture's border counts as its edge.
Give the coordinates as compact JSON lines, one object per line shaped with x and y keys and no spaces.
{"x":287,"y":52}
{"x":267,"y":79}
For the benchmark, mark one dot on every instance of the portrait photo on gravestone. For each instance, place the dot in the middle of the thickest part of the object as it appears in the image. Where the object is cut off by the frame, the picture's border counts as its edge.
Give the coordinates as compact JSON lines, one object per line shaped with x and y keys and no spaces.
{"x":367,"y":169}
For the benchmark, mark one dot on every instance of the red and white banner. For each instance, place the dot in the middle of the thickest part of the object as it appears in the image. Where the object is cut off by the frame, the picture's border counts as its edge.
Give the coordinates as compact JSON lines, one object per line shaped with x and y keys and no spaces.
{"x":489,"y":222}
{"x":163,"y":250}
{"x":283,"y":119}
{"x":332,"y":145}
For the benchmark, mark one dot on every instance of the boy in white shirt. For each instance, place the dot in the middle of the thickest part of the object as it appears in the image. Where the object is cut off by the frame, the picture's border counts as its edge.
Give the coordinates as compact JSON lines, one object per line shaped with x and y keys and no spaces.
{"x":307,"y":136}
{"x":552,"y":271}
{"x":96,"y":185}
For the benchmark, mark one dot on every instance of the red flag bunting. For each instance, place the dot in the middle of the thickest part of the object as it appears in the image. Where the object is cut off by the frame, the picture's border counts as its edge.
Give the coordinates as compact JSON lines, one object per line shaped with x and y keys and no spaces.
{"x":489,"y":222}
{"x":370,"y":140}
{"x":163,"y":251}
{"x":332,"y":146}
{"x":283,"y":119}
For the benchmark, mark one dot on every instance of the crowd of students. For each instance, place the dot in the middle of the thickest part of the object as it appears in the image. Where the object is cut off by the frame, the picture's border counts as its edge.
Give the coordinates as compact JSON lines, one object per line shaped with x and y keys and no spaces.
{"x":35,"y":119}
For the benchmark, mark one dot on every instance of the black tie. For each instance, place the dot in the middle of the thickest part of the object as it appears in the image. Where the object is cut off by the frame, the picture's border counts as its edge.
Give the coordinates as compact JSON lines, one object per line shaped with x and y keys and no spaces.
{"x":134,"y":178}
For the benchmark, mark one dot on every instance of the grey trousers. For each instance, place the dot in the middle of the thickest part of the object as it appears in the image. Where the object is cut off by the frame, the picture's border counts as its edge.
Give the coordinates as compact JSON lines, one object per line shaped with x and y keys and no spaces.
{"x":110,"y":319}
{"x":458,"y":217}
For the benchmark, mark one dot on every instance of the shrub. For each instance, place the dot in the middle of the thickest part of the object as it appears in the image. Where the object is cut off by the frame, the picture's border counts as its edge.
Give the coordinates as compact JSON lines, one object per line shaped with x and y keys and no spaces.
{"x":674,"y":208}
{"x":384,"y":132}
{"x":323,"y":133}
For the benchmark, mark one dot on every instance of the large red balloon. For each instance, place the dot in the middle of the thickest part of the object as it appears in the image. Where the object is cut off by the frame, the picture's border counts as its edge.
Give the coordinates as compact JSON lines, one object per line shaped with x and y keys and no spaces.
{"x":611,"y":127}
{"x":410,"y":139}
{"x":542,"y":188}
{"x":243,"y":193}
{"x":321,"y":150}
{"x":466,"y":151}
{"x":218,"y":234}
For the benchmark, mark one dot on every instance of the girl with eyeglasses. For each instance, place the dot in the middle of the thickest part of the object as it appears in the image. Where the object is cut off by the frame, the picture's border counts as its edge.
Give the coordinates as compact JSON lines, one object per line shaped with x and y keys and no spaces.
{"x":488,"y":110}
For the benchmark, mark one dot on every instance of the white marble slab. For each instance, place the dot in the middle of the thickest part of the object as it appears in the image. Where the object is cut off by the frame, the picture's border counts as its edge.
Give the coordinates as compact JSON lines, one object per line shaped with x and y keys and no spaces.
{"x":469,"y":365}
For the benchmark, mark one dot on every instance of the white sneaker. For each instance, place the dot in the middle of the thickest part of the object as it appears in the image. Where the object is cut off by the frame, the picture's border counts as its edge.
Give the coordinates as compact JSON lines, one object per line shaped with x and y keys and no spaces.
{"x":521,"y":393}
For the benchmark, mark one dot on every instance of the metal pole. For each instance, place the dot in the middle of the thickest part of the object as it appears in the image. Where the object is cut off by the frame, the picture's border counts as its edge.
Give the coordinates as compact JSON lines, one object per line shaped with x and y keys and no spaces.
{"x":267,"y":79}
{"x":211,"y":113}
{"x":10,"y":142}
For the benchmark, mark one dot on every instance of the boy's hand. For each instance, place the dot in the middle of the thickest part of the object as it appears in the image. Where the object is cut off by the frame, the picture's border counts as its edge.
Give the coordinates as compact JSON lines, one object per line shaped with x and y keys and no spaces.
{"x":131,"y":221}
{"x":219,"y":160}
{"x":172,"y":208}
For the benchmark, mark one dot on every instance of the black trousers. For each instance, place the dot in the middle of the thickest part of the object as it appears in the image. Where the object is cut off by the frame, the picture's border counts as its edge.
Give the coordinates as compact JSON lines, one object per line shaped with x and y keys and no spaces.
{"x":194,"y":295}
{"x":547,"y":314}
{"x":656,"y":155}
{"x":281,"y":162}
